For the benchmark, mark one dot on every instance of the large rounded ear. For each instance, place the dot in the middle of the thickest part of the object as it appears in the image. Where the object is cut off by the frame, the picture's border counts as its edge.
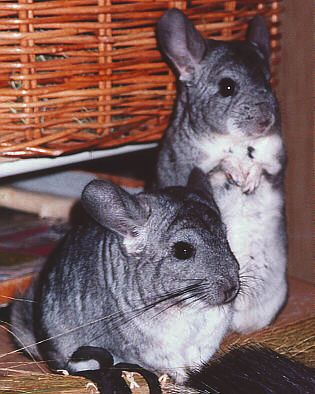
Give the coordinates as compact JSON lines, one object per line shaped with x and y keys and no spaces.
{"x":258,"y":34}
{"x":199,"y":182}
{"x":180,"y":42}
{"x":113,"y":207}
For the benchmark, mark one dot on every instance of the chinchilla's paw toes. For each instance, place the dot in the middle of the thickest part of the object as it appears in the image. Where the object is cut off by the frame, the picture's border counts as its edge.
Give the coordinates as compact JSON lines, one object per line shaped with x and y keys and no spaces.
{"x":129,"y":376}
{"x":163,"y":379}
{"x":233,"y":172}
{"x":252,"y":180}
{"x":63,"y":372}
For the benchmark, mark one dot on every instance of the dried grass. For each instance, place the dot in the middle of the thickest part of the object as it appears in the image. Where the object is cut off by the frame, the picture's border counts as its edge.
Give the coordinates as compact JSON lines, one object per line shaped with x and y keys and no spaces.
{"x":294,"y":340}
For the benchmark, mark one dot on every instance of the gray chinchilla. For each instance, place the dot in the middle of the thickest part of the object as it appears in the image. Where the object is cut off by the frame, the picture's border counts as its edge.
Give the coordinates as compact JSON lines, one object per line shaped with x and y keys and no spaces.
{"x":227,"y":122}
{"x":149,"y":279}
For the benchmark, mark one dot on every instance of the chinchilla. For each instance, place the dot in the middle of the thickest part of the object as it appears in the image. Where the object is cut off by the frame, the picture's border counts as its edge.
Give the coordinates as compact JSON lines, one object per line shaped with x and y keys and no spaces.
{"x":150,"y":280}
{"x":226,"y":121}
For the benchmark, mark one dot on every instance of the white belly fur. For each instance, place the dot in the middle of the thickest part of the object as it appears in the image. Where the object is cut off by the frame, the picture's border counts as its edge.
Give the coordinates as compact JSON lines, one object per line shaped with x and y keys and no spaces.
{"x":253,"y":225}
{"x":184,"y":340}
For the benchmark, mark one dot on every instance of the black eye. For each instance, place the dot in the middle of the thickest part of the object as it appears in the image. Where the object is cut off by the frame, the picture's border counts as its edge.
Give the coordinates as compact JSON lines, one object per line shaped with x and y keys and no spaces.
{"x":227,"y":87}
{"x":183,"y":250}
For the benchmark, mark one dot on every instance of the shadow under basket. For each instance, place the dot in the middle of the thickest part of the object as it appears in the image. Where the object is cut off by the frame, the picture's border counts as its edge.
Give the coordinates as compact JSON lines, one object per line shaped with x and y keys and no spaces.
{"x":78,"y":75}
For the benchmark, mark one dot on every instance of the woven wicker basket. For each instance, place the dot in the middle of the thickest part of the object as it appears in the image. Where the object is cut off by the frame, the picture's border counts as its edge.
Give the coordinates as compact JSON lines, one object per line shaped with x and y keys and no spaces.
{"x":86,"y":74}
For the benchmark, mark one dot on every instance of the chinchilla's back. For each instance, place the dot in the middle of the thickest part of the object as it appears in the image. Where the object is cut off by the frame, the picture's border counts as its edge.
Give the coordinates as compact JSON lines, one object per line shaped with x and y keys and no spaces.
{"x":29,"y":317}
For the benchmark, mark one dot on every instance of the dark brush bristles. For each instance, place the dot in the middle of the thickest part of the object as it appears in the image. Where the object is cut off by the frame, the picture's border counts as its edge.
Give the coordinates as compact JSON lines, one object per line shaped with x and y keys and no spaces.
{"x":5,"y":313}
{"x":254,"y":370}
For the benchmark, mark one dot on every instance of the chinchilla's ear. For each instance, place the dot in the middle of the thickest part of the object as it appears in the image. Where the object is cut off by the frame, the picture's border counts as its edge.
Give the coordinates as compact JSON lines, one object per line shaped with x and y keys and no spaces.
{"x":180,"y":42}
{"x":113,"y":207}
{"x":199,"y":182}
{"x":258,"y":34}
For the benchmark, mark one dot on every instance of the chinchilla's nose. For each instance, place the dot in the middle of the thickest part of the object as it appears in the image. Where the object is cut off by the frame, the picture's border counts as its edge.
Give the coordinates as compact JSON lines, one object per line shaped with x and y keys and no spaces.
{"x":227,"y":291}
{"x":264,"y":123}
{"x":231,"y":293}
{"x":265,"y":118}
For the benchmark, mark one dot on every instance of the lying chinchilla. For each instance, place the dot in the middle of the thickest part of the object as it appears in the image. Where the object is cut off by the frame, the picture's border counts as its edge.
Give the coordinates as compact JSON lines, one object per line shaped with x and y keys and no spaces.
{"x":149,"y":280}
{"x":227,"y":122}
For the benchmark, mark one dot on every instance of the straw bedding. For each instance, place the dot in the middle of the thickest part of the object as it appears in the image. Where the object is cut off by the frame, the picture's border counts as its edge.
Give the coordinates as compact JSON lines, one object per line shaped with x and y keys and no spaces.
{"x":295,"y":340}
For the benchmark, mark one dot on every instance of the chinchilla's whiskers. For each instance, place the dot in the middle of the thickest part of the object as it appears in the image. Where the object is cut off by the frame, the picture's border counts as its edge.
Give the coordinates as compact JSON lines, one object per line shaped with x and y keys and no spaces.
{"x":113,"y":316}
{"x":248,"y":269}
{"x":198,"y":294}
{"x":253,"y":278}
{"x":245,"y":288}
{"x":127,"y":317}
{"x":118,"y":317}
{"x":71,"y":330}
{"x":243,"y":292}
{"x":16,"y":299}
{"x":16,"y":337}
{"x":193,"y":294}
{"x":193,"y":279}
{"x":175,"y":304}
{"x":248,"y":290}
{"x":251,"y":283}
{"x":195,"y":300}
{"x":166,"y":297}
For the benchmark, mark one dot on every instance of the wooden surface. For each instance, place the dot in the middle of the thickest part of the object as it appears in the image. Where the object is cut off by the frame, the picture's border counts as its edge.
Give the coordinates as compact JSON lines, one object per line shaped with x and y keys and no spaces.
{"x":295,"y":94}
{"x":43,"y":204}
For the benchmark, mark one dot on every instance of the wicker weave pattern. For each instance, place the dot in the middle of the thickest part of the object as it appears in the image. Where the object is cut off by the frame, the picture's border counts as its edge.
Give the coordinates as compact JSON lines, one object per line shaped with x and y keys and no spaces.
{"x":86,"y":74}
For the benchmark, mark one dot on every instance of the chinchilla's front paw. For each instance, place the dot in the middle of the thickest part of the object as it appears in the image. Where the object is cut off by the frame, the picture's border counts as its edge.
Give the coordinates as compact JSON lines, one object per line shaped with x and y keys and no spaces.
{"x":252,"y":179}
{"x":233,"y":171}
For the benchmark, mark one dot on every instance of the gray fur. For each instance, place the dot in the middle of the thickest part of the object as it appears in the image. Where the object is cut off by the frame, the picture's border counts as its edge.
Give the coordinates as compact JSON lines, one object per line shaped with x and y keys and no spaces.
{"x":237,"y":141}
{"x":98,"y":286}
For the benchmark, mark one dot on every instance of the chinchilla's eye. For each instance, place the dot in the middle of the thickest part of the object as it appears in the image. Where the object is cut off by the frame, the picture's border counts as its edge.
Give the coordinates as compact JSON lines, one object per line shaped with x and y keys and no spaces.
{"x":227,"y":87}
{"x":183,"y":250}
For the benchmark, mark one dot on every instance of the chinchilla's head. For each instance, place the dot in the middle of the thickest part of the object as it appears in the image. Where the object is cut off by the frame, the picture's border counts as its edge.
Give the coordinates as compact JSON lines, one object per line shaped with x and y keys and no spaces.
{"x":173,"y":240}
{"x":224,"y":85}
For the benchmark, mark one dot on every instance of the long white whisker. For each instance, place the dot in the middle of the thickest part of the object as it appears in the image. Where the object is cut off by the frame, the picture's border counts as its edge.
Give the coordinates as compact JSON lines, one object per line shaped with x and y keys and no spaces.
{"x":16,"y":337}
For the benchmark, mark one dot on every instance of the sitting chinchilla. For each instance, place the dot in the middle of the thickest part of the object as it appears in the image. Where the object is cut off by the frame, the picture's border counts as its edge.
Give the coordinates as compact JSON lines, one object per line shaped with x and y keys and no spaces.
{"x":227,"y":123}
{"x":150,"y":281}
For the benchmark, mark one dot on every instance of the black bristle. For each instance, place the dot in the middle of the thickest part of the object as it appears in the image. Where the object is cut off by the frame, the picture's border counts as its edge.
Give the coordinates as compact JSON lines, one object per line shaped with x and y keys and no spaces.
{"x":254,"y":370}
{"x":5,"y":312}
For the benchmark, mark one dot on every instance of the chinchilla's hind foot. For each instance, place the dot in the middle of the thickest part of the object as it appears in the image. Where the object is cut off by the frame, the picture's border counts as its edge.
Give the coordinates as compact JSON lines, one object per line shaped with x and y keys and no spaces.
{"x":97,"y":364}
